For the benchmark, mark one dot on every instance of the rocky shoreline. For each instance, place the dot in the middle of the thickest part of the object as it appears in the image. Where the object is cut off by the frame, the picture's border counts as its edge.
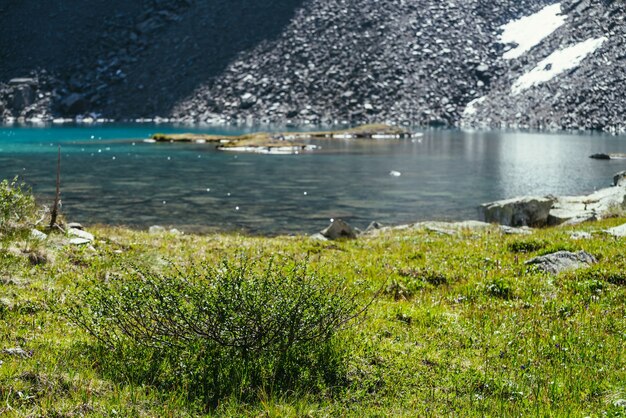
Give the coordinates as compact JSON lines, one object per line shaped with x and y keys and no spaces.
{"x":513,"y":216}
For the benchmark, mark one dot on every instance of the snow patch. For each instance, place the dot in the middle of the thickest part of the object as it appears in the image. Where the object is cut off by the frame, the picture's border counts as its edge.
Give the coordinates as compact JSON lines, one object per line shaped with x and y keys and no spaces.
{"x":556,"y":63}
{"x":531,"y":30}
{"x":470,"y":108}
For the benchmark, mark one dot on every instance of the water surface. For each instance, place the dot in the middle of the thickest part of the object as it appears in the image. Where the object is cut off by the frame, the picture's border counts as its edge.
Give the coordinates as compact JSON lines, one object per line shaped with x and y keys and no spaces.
{"x":110,"y":176}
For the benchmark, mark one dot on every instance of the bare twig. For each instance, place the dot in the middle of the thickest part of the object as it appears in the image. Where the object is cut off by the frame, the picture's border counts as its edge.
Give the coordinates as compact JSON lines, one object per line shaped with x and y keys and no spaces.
{"x":57,"y":196}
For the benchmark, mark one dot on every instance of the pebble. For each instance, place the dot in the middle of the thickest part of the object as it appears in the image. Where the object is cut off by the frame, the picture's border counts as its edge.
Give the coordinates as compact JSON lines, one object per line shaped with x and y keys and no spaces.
{"x":17,"y":352}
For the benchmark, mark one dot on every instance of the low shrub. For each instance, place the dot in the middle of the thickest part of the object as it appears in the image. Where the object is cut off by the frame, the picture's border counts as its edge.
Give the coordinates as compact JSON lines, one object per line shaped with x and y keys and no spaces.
{"x":613,"y":275}
{"x":17,"y":207}
{"x":218,"y":332}
{"x":500,"y":288}
{"x":526,"y":246}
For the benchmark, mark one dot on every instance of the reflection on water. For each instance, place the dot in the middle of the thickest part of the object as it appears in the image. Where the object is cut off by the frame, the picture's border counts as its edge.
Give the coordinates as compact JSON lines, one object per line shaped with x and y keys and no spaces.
{"x":110,"y":176}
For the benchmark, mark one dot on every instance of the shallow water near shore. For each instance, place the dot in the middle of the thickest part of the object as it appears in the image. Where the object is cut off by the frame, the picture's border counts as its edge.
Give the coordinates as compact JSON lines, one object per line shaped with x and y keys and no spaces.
{"x":110,"y":176}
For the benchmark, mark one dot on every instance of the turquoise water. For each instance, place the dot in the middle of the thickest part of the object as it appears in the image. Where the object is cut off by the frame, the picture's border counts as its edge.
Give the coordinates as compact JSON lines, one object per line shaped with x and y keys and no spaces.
{"x":110,"y":176}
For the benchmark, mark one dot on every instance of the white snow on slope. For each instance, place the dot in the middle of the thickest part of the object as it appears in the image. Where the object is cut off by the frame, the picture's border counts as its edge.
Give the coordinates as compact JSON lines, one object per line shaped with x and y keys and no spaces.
{"x":531,"y":30}
{"x":556,"y":63}
{"x":470,"y":108}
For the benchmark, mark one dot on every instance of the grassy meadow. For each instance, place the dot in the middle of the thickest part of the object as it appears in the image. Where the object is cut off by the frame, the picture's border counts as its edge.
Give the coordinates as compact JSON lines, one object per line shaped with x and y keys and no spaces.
{"x":453,"y":325}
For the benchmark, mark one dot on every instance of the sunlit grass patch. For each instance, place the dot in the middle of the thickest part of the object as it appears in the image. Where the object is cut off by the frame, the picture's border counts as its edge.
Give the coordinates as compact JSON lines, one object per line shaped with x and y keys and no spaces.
{"x":462,"y":327}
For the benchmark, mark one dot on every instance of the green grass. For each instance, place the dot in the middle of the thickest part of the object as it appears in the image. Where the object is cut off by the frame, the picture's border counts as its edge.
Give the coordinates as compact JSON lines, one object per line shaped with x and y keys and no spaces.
{"x":462,"y":328}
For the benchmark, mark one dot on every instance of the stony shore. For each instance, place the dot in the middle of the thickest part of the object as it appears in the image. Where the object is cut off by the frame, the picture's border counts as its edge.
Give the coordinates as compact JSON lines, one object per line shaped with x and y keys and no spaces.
{"x":514,"y":216}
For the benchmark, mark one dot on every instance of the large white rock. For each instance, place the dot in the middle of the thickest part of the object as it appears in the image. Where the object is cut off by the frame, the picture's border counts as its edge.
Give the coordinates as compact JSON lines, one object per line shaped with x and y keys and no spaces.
{"x":618,"y":231}
{"x":600,"y":204}
{"x":519,"y":211}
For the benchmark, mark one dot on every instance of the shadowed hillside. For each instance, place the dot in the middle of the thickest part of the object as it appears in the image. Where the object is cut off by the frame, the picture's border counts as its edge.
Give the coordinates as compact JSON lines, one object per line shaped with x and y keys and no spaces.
{"x":129,"y":59}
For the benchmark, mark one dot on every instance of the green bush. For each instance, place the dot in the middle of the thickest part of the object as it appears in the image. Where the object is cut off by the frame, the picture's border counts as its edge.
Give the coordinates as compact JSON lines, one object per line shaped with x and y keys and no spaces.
{"x":17,"y":207}
{"x":217,"y":332}
{"x":613,"y":275}
{"x":526,"y":246}
{"x":500,"y":288}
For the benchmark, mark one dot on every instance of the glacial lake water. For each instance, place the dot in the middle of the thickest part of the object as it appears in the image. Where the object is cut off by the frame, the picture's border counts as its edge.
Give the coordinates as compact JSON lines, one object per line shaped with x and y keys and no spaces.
{"x":110,"y":176}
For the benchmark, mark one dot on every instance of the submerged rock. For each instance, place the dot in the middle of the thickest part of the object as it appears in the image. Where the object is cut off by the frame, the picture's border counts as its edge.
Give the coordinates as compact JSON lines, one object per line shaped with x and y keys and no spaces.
{"x":562,"y":260}
{"x":603,"y":156}
{"x":520,"y":211}
{"x":600,"y":156}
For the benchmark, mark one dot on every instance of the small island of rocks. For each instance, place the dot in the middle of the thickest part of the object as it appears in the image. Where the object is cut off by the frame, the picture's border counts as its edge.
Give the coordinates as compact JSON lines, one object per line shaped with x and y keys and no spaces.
{"x":286,"y":142}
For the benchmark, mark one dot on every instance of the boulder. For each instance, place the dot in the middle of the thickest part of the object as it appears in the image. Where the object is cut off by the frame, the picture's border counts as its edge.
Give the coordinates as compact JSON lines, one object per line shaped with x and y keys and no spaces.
{"x":79,"y":241}
{"x":562,"y":260}
{"x":74,"y":225}
{"x":520,"y":211}
{"x":339,"y":229}
{"x":618,"y":231}
{"x":612,"y":156}
{"x":580,"y":219}
{"x":573,"y":210}
{"x":38,"y":235}
{"x":79,"y":233}
{"x":619,"y":179}
{"x":156,"y":229}
{"x":570,"y":216}
{"x":373,"y":226}
{"x":318,"y":237}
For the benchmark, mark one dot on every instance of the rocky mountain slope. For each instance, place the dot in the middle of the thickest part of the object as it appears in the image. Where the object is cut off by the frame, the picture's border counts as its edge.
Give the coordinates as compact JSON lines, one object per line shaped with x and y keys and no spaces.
{"x":590,"y":95}
{"x":310,"y":61}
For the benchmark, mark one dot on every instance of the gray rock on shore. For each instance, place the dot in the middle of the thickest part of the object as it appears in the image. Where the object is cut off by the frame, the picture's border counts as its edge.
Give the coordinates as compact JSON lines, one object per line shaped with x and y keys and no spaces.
{"x":561,"y":210}
{"x":562,"y":260}
{"x":618,"y":231}
{"x":571,"y":210}
{"x":619,"y":179}
{"x":520,"y":211}
{"x":339,"y":229}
